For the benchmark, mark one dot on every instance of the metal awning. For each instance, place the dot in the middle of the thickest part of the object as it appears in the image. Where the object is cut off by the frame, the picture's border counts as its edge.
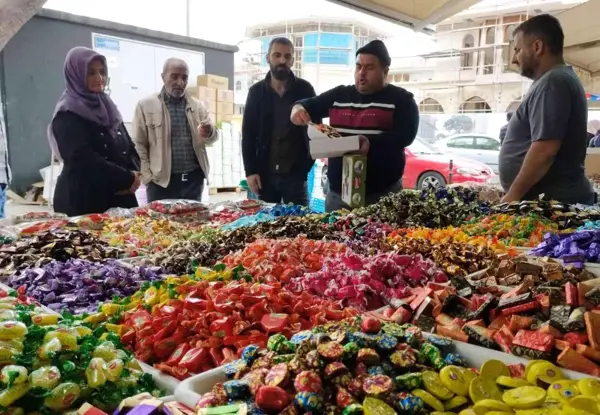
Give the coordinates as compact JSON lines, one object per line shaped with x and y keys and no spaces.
{"x":582,"y":35}
{"x":415,"y":14}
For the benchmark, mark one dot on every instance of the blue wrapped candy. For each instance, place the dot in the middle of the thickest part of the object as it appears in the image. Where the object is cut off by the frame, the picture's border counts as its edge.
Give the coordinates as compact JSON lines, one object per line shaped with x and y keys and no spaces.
{"x":231,"y":369}
{"x":286,"y":210}
{"x":375,"y":370}
{"x":387,"y":342}
{"x":301,"y":337}
{"x":309,"y":401}
{"x":409,"y":404}
{"x":439,"y":341}
{"x":250,"y":353}
{"x":237,"y":389}
{"x":455,"y":359}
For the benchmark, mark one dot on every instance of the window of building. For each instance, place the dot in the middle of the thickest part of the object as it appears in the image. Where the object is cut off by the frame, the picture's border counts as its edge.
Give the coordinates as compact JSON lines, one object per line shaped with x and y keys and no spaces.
{"x":475,"y":104}
{"x":467,"y":57}
{"x":401,"y":77}
{"x":507,"y":50}
{"x":430,"y":106}
{"x":238,"y":85}
{"x":488,"y":57}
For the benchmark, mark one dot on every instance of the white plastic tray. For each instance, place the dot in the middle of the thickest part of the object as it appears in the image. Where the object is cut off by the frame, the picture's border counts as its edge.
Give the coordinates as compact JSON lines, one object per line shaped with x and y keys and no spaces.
{"x":163,"y":381}
{"x":191,"y":390}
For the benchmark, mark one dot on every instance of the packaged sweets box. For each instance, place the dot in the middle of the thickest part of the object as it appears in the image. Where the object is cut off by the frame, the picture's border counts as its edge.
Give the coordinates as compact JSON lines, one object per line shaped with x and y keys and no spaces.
{"x":354,"y":175}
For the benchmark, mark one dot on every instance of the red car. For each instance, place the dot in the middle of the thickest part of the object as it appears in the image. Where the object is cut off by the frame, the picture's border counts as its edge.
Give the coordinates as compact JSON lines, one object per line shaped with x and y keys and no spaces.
{"x":426,"y":166}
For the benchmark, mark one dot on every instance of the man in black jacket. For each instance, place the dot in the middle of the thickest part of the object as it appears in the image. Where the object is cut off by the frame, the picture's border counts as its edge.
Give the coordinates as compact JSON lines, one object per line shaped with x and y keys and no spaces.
{"x":384,"y":116}
{"x":275,"y":151}
{"x":505,"y":127}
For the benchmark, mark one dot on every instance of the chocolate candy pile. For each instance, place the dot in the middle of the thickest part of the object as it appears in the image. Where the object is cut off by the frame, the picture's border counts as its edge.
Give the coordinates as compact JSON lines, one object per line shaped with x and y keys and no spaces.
{"x":434,"y":208}
{"x":57,"y":245}
{"x":531,"y":308}
{"x":368,"y":367}
{"x":566,"y":216}
{"x":455,"y":259}
{"x":576,"y":247}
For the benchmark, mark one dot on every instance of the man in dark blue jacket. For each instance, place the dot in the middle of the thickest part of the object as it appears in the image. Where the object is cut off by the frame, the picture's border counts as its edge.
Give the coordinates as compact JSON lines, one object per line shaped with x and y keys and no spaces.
{"x":276,"y":152}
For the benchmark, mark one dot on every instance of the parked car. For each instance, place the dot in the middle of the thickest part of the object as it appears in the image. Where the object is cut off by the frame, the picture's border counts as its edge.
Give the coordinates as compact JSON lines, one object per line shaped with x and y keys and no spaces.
{"x":427,"y":166}
{"x":483,"y":148}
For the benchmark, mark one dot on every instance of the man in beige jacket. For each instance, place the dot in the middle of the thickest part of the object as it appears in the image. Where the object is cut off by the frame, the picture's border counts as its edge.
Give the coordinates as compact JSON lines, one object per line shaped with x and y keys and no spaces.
{"x":171,"y":131}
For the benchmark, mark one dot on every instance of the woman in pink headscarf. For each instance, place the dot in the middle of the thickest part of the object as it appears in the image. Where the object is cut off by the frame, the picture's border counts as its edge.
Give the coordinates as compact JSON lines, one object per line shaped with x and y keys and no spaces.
{"x":100,"y":164}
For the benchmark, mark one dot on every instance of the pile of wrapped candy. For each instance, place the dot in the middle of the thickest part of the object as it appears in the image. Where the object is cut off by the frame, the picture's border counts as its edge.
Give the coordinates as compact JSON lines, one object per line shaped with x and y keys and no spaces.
{"x":187,"y":326}
{"x":51,"y":364}
{"x":536,"y":309}
{"x":186,"y":288}
{"x":373,"y":368}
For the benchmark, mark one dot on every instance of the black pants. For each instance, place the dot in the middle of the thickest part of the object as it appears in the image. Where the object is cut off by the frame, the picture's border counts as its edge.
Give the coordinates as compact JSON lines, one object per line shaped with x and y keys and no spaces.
{"x":278,"y":188}
{"x":181,"y":186}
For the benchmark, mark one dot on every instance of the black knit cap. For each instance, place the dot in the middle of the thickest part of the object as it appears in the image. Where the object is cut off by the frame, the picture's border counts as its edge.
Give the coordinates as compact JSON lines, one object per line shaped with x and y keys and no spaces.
{"x":377,"y":48}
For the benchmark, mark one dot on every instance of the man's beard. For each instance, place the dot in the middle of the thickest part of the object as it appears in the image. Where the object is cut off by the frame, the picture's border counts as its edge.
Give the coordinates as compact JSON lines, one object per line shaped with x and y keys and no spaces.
{"x":281,"y":73}
{"x":527,"y":69}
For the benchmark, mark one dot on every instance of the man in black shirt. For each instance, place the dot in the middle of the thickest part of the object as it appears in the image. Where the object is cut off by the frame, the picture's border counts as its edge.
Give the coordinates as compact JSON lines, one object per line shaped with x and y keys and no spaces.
{"x":275,"y":151}
{"x":385,"y":117}
{"x":505,"y":127}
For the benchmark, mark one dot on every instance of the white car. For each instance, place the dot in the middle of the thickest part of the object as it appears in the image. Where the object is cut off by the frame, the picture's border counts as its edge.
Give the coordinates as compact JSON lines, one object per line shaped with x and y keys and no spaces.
{"x":483,"y":148}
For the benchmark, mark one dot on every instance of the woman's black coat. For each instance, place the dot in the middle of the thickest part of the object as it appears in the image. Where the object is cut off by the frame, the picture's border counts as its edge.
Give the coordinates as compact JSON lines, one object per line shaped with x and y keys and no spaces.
{"x":96,"y":166}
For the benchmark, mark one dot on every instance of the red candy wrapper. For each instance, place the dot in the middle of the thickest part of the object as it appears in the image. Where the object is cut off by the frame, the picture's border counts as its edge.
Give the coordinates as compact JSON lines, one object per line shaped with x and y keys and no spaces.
{"x":272,"y":399}
{"x":521,"y":309}
{"x":517,"y":370}
{"x":571,"y":295}
{"x":503,"y":338}
{"x":535,"y":340}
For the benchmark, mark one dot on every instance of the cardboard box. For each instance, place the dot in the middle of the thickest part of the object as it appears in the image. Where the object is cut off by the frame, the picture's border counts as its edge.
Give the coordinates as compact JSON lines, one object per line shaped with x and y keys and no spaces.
{"x":592,"y":161}
{"x":322,"y":146}
{"x":225,"y":108}
{"x":203,"y":93}
{"x":354,"y":175}
{"x":213,"y":81}
{"x":211,"y":106}
{"x":223,"y":118}
{"x":224,"y":95}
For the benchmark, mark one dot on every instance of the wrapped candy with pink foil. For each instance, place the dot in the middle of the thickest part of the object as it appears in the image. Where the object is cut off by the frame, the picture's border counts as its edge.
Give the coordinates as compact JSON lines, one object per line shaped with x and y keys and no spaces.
{"x":369,"y":283}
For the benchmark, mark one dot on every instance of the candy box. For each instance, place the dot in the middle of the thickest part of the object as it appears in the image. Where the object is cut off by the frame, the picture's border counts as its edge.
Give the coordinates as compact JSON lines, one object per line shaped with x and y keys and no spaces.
{"x":326,"y":142}
{"x":354,"y":175}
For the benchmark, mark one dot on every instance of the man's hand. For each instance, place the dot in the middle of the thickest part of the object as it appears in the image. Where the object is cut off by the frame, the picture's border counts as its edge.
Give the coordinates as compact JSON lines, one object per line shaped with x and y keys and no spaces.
{"x":365,"y":145}
{"x":205,"y":130}
{"x":509,"y":198}
{"x":254,"y":183}
{"x":299,"y":115}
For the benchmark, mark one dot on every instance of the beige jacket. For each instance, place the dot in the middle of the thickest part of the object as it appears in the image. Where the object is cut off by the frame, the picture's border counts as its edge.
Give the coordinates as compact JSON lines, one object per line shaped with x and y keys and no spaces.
{"x":152,"y":137}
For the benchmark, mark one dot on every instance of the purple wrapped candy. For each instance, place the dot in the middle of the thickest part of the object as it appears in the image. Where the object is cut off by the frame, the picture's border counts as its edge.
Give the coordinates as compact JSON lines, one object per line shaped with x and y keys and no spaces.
{"x":79,"y":286}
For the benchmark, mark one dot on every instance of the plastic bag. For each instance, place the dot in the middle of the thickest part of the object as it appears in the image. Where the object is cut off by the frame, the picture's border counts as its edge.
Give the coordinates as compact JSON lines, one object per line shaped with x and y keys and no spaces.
{"x":121,"y":213}
{"x":38,"y":216}
{"x":8,"y":235}
{"x":177,"y":206}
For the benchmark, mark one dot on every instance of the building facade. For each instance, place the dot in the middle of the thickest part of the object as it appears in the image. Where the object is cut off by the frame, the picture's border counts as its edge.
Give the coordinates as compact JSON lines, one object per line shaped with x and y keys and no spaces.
{"x":471,"y":71}
{"x":324,"y":51}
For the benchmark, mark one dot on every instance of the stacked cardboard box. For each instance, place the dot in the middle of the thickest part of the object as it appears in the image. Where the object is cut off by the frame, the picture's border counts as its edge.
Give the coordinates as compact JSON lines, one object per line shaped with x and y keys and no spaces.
{"x":225,"y":157}
{"x":213,"y":92}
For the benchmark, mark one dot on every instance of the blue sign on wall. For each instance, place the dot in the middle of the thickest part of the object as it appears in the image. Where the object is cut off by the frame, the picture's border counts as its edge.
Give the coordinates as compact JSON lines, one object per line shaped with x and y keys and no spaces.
{"x":106,"y":43}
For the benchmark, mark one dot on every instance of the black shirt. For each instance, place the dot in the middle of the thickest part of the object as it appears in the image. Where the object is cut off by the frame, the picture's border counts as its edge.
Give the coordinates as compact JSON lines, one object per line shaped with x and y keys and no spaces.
{"x":285,"y":145}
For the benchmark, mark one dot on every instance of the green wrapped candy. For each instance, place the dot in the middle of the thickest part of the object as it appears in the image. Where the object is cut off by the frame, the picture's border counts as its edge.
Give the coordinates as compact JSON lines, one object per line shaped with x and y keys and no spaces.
{"x":283,"y":358}
{"x":354,"y":409}
{"x":350,"y":350}
{"x":275,"y":342}
{"x":46,"y":377}
{"x":433,"y":354}
{"x":11,"y":395}
{"x":63,"y":396}
{"x":393,"y":329}
{"x":408,"y":381}
{"x":14,"y":374}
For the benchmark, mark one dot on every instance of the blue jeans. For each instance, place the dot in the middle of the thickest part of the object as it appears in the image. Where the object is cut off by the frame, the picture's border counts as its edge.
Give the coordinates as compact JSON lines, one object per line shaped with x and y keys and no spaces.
{"x":284,"y":188}
{"x":333,"y":200}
